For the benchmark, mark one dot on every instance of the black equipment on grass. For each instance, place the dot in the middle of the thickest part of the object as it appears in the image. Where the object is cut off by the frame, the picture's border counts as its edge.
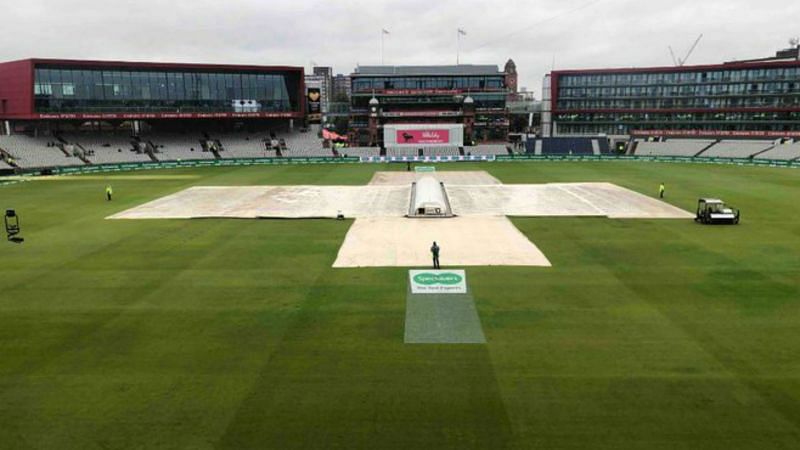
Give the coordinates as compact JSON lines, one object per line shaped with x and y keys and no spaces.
{"x":715,"y":211}
{"x":11,"y":220}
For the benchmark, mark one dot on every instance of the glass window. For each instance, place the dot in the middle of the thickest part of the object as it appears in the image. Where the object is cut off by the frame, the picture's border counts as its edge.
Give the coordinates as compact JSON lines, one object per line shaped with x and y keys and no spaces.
{"x":127,"y":91}
{"x":205,"y":87}
{"x":120,"y":90}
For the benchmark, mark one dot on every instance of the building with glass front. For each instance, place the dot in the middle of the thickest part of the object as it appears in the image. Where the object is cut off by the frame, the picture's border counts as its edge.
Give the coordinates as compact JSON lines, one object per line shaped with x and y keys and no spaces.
{"x":41,"y":89}
{"x":474,"y":95}
{"x":758,"y":98}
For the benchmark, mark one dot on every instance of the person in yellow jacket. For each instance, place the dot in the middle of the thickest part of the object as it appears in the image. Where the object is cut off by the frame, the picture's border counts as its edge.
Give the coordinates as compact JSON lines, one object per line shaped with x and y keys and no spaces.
{"x":109,"y":193}
{"x":661,"y":190}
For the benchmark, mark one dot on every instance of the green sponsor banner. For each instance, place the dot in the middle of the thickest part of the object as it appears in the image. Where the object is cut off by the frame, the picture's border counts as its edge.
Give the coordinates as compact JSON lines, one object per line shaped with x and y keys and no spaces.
{"x":668,"y":159}
{"x":352,"y":160}
{"x":203,"y":163}
{"x":438,"y":281}
{"x":430,"y":279}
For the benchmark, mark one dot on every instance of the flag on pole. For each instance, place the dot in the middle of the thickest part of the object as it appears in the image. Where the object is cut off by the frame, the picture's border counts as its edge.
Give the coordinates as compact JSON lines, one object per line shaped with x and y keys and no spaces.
{"x":385,"y":31}
{"x":462,"y":32}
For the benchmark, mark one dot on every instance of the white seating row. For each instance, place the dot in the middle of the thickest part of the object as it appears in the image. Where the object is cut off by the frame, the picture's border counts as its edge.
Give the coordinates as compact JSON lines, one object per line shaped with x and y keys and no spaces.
{"x":782,"y":152}
{"x":35,"y":152}
{"x":487,"y":150}
{"x":108,"y":148}
{"x":737,"y":149}
{"x":672,"y":147}
{"x":178,"y":147}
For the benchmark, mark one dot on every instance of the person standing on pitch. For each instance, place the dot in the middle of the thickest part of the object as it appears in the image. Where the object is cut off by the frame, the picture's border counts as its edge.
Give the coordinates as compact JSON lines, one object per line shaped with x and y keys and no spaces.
{"x":661,"y":190}
{"x":109,"y":193}
{"x":435,"y":253}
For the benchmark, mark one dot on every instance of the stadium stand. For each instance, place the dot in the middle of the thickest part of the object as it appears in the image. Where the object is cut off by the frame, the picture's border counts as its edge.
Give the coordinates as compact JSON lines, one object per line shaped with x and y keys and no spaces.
{"x":440,"y":151}
{"x":300,"y":151}
{"x":401,"y":151}
{"x":31,"y":152}
{"x":177,"y":147}
{"x":245,"y":145}
{"x":4,"y":165}
{"x":601,"y":146}
{"x":108,"y":148}
{"x":361,"y":152}
{"x":672,"y":147}
{"x":737,"y":149}
{"x":783,"y":152}
{"x":567,"y":146}
{"x":306,"y":143}
{"x":487,"y":150}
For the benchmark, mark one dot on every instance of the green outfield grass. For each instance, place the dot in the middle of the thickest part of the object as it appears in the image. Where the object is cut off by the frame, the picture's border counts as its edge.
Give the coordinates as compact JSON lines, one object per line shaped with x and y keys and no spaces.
{"x":238,"y":334}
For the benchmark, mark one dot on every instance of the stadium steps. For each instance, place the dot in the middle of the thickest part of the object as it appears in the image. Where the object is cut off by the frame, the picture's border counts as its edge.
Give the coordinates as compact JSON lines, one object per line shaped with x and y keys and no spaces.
{"x":7,"y":158}
{"x":631,"y":148}
{"x":81,"y":154}
{"x":763,"y":151}
{"x":63,"y":149}
{"x":707,"y":148}
{"x":147,"y":148}
{"x":215,"y":148}
{"x":213,"y":145}
{"x":62,"y":145}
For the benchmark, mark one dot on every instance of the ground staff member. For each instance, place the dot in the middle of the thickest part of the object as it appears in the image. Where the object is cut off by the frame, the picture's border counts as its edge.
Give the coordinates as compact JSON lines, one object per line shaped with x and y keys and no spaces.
{"x":435,"y":252}
{"x":109,"y":193}
{"x":661,"y":190}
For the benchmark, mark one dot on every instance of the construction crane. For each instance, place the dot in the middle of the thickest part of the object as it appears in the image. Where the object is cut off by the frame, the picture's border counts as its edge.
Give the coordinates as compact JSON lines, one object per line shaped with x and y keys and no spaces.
{"x":680,"y":62}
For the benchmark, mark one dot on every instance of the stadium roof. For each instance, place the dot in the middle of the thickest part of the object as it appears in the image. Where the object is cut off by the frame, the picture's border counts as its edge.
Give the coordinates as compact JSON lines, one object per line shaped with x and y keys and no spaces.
{"x":461,"y":69}
{"x":773,"y":62}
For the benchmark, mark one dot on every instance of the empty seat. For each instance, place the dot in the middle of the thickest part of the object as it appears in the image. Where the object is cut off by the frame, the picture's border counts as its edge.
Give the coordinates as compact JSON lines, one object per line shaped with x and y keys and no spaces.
{"x":305,"y":143}
{"x":362,"y":152}
{"x":560,"y":146}
{"x":108,"y":148}
{"x":672,"y":147}
{"x":737,"y":149}
{"x":31,"y":152}
{"x":246,"y":145}
{"x":487,"y":150}
{"x":402,"y":151}
{"x":782,"y":152}
{"x":178,"y":147}
{"x":440,"y":151}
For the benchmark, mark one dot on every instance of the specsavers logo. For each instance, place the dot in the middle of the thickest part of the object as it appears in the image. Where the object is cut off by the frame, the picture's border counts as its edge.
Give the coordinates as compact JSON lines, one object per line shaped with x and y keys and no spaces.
{"x":432,"y":279}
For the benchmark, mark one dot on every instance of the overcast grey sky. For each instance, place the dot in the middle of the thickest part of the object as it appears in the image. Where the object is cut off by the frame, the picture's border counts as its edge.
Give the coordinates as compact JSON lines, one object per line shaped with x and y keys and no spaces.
{"x":343,"y":33}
